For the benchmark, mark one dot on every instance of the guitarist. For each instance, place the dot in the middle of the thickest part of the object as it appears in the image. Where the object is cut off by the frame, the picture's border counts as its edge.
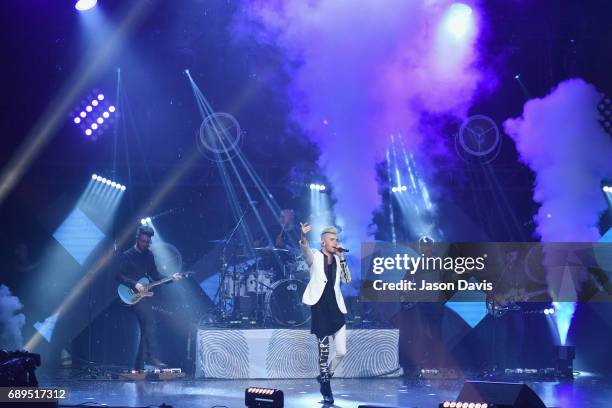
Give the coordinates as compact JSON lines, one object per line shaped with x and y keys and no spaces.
{"x":134,"y":264}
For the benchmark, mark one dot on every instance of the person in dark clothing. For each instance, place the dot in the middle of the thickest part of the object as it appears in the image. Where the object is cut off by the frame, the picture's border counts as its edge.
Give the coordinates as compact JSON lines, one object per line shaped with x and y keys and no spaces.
{"x":289,"y":233}
{"x":134,"y":264}
{"x":327,"y":268}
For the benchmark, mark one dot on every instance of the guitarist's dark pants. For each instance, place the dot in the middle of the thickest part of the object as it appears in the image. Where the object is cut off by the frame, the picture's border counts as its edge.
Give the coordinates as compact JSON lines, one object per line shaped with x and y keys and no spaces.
{"x":147,"y":320}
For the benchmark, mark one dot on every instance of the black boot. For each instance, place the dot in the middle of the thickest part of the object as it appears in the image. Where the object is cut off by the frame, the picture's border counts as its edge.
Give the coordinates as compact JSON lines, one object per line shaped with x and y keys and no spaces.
{"x":326,"y":391}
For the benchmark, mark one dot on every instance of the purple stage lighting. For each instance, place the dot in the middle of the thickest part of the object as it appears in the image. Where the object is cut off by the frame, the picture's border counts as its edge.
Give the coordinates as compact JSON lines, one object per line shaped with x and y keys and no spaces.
{"x":84,"y":5}
{"x":459,"y":21}
{"x":95,"y":114}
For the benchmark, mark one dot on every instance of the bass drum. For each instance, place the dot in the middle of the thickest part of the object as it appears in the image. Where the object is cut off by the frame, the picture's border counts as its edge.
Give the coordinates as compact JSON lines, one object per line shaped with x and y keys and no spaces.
{"x":284,"y":303}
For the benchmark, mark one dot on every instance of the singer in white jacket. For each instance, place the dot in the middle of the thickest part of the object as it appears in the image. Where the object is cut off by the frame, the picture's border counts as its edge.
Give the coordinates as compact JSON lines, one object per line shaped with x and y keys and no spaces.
{"x":327,"y":268}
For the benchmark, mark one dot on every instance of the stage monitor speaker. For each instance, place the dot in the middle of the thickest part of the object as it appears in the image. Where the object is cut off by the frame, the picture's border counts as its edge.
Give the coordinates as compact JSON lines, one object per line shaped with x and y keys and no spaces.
{"x":501,"y":395}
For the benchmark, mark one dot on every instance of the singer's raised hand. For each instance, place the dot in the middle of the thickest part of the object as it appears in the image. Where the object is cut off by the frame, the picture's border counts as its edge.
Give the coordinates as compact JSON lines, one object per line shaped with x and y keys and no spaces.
{"x":305,"y":228}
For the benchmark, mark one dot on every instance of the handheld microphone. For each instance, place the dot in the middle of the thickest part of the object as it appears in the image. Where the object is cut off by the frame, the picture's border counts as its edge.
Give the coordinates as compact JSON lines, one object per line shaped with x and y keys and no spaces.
{"x":343,"y":249}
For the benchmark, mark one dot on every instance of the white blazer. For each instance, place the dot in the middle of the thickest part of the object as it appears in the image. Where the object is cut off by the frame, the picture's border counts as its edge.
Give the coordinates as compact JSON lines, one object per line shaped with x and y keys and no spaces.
{"x":318,"y":279}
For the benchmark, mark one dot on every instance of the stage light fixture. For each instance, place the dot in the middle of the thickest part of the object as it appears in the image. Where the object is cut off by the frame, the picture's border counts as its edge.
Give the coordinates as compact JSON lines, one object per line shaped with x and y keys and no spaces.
{"x":108,"y":182}
{"x":483,"y":394}
{"x":84,"y":5}
{"x":148,"y":220}
{"x":318,"y":187}
{"x":459,"y":21}
{"x":143,"y":221}
{"x":77,"y":120}
{"x":605,"y":111}
{"x":460,"y":404}
{"x":259,"y":397}
{"x":94,"y":109}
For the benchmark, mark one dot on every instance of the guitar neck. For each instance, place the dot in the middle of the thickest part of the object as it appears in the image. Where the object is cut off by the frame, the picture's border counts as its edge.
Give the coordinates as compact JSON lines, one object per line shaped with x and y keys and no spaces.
{"x":159,"y":282}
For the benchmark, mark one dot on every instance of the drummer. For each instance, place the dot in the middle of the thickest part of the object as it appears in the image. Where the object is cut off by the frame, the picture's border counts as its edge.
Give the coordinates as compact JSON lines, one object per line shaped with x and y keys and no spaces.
{"x":288,"y":233}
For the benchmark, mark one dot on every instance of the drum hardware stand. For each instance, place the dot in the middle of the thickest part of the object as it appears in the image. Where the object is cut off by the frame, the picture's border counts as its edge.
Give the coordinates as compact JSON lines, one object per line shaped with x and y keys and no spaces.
{"x":221,"y":297}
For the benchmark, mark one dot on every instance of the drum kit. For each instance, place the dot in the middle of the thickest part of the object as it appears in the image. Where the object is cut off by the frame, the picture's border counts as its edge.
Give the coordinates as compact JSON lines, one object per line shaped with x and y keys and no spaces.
{"x":264,"y":287}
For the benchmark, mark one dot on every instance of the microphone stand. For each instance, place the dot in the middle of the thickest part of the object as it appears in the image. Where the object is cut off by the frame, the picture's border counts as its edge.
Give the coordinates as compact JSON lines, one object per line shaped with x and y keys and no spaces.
{"x":224,"y":261}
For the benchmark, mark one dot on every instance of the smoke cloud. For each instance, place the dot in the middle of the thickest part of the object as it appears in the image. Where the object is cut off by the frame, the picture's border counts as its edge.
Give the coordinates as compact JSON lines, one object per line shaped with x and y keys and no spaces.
{"x":11,"y":321}
{"x":559,"y":138}
{"x":361,"y":71}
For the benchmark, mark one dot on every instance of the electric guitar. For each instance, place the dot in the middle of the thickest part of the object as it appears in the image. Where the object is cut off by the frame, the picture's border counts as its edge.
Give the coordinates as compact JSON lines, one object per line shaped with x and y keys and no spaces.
{"x":131,"y":296}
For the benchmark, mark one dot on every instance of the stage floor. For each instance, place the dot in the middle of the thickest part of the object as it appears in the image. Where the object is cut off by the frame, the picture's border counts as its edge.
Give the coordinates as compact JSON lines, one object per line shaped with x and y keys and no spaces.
{"x":587,"y":391}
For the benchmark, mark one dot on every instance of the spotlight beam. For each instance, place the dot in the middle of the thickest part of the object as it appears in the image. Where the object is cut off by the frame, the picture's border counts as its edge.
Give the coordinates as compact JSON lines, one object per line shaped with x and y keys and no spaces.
{"x":47,"y":126}
{"x":166,"y":186}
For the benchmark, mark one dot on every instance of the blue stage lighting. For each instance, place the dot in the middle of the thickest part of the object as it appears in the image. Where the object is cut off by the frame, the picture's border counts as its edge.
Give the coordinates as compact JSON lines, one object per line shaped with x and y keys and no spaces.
{"x":458,"y":22}
{"x":84,"y":5}
{"x":79,"y":235}
{"x":143,"y":221}
{"x":318,"y":187}
{"x":109,"y":182}
{"x":94,"y":109}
